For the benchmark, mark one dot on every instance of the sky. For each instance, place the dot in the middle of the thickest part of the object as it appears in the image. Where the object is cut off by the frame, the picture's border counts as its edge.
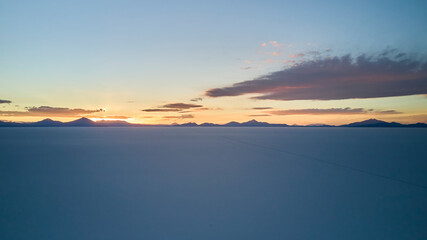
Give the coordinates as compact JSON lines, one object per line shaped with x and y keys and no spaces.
{"x":294,"y":62}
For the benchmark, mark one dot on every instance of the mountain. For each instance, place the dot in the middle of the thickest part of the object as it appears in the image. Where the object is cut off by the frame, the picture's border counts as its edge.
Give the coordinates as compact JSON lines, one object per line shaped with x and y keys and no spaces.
{"x":46,"y":123}
{"x":85,"y":122}
{"x":209,"y":125}
{"x":190,"y":124}
{"x":232,"y":124}
{"x":417,"y":125}
{"x":373,"y":123}
{"x":8,"y":124}
{"x":109,"y":123}
{"x":318,"y":125}
{"x":82,"y":122}
{"x":253,"y":123}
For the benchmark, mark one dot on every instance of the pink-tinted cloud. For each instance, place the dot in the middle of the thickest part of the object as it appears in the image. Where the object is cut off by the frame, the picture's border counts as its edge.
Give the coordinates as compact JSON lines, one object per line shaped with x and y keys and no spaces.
{"x":297,"y":55}
{"x":276,"y":44}
{"x":334,"y":78}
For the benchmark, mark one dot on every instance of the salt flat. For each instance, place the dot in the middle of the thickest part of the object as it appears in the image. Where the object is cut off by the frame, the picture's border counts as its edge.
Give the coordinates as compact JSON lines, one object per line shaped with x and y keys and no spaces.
{"x":213,"y":183}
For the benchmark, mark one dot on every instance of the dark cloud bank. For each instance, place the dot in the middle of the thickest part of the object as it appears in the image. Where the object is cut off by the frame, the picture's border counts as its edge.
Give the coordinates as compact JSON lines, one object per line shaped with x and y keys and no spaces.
{"x":173,"y":107}
{"x":50,"y":111}
{"x":5,"y":101}
{"x":385,"y":75}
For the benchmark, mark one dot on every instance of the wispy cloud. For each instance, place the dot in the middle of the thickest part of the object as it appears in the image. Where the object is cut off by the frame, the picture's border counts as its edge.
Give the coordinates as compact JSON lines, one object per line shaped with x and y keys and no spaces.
{"x":47,"y":111}
{"x":5,"y":101}
{"x":276,"y":44}
{"x":181,"y":105}
{"x":261,"y":108}
{"x":179,"y":117}
{"x":197,"y":99}
{"x":331,"y":78}
{"x":329,"y":111}
{"x":297,"y":55}
{"x":205,"y":109}
{"x":161,"y":110}
{"x":259,"y":115}
{"x":387,"y":112}
{"x":173,"y":107}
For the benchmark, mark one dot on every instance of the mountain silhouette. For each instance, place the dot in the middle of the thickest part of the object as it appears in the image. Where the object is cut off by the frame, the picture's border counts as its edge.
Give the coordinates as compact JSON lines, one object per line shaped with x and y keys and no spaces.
{"x":82,"y":122}
{"x":209,"y":125}
{"x":47,"y":123}
{"x":85,"y":122}
{"x":373,"y":123}
{"x":9,"y":124}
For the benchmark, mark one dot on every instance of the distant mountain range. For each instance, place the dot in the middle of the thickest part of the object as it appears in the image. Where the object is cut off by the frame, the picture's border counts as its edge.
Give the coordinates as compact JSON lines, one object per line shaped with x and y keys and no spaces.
{"x":85,"y":122}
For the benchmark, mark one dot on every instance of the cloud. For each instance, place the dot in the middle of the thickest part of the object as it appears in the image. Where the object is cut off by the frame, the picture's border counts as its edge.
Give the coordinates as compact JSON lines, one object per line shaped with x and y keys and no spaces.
{"x":259,"y":115}
{"x":161,"y":110}
{"x":181,"y":105}
{"x":202,"y":109}
{"x":288,"y":61}
{"x":179,"y":117}
{"x":263,"y":44}
{"x":5,"y":101}
{"x":334,"y":78}
{"x":329,"y":111}
{"x":173,"y":107}
{"x":297,"y":55}
{"x":206,"y":109}
{"x":388,"y":112}
{"x":261,"y":108}
{"x":47,"y":111}
{"x":275,"y":44}
{"x":316,"y":53}
{"x":196,"y":99}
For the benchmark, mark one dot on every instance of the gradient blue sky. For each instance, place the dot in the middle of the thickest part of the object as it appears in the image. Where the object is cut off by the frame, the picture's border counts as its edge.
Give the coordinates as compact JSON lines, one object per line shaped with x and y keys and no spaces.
{"x":103,"y":54}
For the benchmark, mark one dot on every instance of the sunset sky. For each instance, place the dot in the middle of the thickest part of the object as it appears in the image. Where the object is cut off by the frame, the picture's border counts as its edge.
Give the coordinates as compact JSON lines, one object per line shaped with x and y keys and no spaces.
{"x":294,"y":62}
